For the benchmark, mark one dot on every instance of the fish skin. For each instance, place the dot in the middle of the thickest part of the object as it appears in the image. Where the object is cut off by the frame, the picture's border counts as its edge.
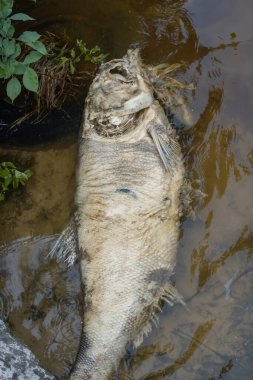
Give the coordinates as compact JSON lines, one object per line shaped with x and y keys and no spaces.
{"x":128,"y":225}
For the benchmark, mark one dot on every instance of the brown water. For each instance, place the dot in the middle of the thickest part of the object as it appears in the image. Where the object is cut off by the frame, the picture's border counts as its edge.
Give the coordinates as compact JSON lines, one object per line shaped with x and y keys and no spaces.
{"x":211,"y":338}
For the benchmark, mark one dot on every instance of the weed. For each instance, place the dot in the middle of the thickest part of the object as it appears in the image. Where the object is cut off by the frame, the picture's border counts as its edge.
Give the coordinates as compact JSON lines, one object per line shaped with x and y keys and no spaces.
{"x":18,"y":54}
{"x":11,"y":177}
{"x":82,"y":53}
{"x":63,"y":73}
{"x":49,"y":67}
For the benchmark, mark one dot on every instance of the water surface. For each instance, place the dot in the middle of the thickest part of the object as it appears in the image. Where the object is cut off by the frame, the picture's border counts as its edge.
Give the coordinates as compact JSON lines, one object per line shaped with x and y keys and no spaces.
{"x":211,"y":338}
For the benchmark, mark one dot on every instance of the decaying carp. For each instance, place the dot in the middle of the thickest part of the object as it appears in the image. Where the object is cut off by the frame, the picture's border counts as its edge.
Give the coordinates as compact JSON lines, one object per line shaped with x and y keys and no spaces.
{"x":128,"y":183}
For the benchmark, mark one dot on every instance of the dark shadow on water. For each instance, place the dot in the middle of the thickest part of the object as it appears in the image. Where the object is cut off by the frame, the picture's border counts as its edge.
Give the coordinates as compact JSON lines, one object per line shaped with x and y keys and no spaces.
{"x":55,"y":126}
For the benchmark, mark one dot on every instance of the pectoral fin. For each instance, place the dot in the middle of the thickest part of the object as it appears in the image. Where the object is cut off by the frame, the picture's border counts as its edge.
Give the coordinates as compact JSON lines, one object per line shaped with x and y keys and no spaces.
{"x":168,"y":294}
{"x":167,"y":147}
{"x":65,"y":248}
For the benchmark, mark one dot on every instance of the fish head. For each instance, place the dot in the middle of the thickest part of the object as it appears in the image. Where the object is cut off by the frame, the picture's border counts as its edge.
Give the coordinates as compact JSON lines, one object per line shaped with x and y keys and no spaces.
{"x":122,"y":107}
{"x":120,"y":91}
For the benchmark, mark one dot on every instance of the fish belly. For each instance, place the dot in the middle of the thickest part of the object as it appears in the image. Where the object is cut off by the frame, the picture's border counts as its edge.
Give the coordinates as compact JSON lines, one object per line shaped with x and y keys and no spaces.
{"x":127,"y":236}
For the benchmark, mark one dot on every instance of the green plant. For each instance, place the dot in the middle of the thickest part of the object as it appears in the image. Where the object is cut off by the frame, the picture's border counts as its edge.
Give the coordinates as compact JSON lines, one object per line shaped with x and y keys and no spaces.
{"x":81,"y":52}
{"x":18,"y":54}
{"x":63,"y":74}
{"x":11,"y":177}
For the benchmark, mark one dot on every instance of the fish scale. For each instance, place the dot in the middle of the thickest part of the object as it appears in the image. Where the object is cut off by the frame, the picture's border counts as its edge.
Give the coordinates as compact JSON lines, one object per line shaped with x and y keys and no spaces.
{"x":127,"y":203}
{"x":127,"y":200}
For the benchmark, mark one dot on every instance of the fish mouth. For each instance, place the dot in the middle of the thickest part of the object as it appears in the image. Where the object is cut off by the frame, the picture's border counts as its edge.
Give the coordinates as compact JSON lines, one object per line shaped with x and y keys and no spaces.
{"x":118,"y":95}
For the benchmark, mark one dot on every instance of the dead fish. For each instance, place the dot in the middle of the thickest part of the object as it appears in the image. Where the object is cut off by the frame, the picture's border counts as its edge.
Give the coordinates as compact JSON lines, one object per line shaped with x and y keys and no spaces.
{"x":130,"y":174}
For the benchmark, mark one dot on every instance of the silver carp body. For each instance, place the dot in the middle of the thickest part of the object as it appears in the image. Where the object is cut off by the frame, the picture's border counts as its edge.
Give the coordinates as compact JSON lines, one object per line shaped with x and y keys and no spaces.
{"x":129,"y":179}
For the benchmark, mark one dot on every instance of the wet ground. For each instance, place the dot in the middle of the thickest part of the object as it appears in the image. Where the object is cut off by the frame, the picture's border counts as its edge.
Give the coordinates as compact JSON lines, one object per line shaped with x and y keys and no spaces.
{"x":212,"y":337}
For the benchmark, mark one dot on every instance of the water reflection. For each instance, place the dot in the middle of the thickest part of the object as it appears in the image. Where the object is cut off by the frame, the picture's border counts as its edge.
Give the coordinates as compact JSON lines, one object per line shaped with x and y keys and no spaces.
{"x":167,"y":25}
{"x":196,"y":340}
{"x":207,"y":268}
{"x":41,"y":301}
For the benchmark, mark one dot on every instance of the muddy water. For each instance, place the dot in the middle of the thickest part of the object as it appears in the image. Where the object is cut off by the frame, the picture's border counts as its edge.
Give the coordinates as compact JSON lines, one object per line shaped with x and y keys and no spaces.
{"x":212,"y":337}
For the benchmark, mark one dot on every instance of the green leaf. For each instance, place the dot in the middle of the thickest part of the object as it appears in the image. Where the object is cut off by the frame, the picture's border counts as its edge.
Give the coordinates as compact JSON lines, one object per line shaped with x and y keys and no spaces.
{"x":94,"y":50}
{"x":30,"y":80}
{"x":9,"y":47}
{"x":28,"y":173}
{"x":82,"y":47}
{"x":64,"y":60}
{"x":19,"y":175}
{"x":9,"y":175}
{"x":15,"y":182}
{"x":99,"y":59}
{"x":29,"y":37}
{"x":72,"y":53}
{"x":7,"y":181}
{"x":2,"y":73}
{"x":72,"y":68}
{"x":32,"y":57}
{"x":7,"y":69}
{"x":38,"y":46}
{"x":5,"y":27}
{"x":4,"y":173}
{"x":17,"y":51}
{"x":8,"y":164}
{"x":6,"y":8}
{"x":21,"y":17}
{"x":10,"y":32}
{"x":13,"y":88}
{"x":19,"y":68}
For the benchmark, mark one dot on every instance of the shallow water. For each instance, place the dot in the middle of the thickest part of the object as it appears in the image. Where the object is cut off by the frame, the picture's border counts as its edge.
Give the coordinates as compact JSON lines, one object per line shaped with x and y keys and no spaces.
{"x":212,"y":337}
